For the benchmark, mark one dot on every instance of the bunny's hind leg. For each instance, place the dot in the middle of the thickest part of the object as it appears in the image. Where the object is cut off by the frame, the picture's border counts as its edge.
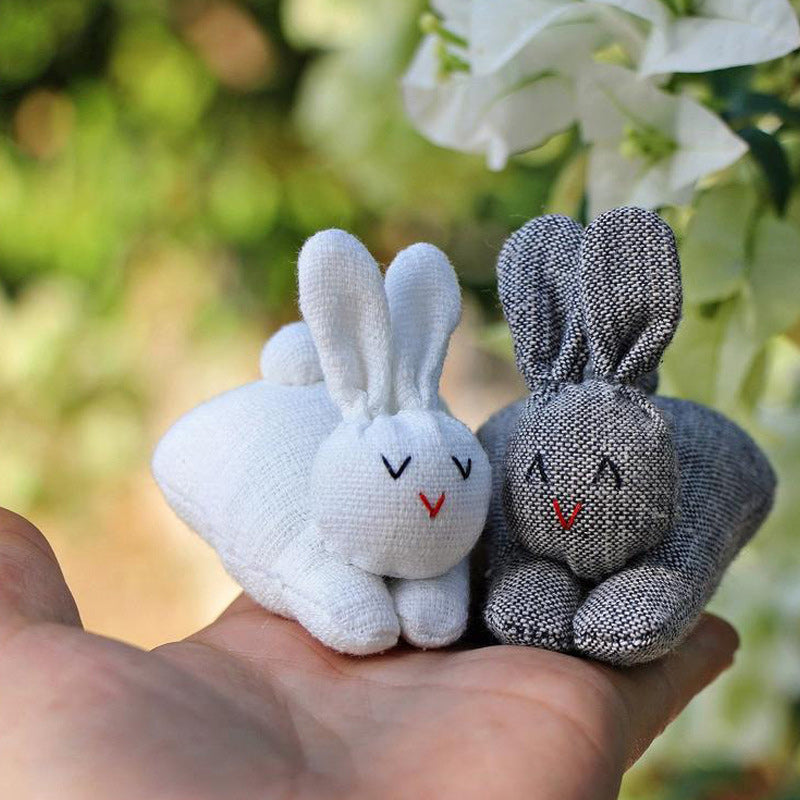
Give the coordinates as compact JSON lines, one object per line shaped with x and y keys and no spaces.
{"x":346,"y":608}
{"x":532,"y":601}
{"x":433,"y":611}
{"x":727,"y":485}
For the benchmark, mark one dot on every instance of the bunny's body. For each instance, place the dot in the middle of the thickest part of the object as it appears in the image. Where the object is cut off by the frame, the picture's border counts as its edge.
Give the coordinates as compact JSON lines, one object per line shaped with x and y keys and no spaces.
{"x":335,"y":490}
{"x":614,"y":513}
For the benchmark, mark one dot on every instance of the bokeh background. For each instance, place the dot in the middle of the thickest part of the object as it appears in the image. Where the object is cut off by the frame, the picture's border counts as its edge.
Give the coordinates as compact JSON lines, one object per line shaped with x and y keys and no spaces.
{"x":162,"y":161}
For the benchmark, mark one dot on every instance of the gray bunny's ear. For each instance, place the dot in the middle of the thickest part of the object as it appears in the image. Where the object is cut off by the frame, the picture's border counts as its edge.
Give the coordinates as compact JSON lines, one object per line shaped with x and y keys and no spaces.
{"x":630,"y":288}
{"x":537,"y":277}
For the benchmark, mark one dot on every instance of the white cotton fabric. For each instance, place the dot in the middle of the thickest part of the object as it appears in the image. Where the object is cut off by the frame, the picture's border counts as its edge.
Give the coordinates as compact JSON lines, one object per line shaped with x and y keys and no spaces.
{"x":420,"y":322}
{"x":344,"y":305}
{"x":433,"y":609}
{"x":287,"y":477}
{"x":290,"y":358}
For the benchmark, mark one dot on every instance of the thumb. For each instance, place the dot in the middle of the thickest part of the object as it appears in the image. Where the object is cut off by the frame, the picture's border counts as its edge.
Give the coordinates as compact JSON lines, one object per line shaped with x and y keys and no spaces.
{"x":32,"y":586}
{"x":653,"y":694}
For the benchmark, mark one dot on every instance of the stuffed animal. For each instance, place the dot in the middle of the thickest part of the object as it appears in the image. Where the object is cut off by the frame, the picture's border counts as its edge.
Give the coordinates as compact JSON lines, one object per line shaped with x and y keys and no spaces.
{"x":337,"y":490}
{"x":614,"y":512}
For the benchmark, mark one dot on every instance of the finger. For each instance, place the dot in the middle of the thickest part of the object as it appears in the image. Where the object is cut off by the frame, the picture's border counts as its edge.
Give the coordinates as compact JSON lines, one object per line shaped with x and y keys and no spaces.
{"x":654,"y":694}
{"x":242,"y":604}
{"x":32,"y":587}
{"x":242,"y":609}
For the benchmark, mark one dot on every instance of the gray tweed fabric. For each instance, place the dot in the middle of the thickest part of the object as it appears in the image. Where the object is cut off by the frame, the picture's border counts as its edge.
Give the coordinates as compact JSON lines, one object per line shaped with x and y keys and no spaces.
{"x":614,"y":513}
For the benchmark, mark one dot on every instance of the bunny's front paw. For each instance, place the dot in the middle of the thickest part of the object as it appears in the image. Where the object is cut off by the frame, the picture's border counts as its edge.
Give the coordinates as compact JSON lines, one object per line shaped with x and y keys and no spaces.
{"x":358,"y":620}
{"x":637,"y":615}
{"x":347,"y":609}
{"x":532,"y":601}
{"x":433,"y":612}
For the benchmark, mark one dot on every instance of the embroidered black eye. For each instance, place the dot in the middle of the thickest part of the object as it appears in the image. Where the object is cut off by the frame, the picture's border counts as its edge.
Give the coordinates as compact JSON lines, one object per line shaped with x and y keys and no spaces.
{"x":396,"y":473}
{"x":536,"y":468}
{"x":606,"y":466}
{"x":465,"y":471}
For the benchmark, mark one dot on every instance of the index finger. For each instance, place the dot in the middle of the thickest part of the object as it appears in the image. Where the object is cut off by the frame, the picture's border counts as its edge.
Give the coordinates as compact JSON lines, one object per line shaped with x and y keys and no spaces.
{"x":654,"y":694}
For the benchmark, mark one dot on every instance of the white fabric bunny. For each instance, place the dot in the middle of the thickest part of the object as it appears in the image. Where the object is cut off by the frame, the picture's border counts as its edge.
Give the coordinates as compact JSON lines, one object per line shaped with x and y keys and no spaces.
{"x":337,"y":490}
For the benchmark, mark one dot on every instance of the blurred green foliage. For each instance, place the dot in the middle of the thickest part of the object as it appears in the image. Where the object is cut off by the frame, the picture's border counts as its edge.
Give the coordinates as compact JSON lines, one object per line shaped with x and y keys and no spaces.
{"x":161,"y":162}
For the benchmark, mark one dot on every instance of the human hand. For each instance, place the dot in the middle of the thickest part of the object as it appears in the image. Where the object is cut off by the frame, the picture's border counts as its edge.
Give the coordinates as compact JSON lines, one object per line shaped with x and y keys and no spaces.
{"x":253,"y":707}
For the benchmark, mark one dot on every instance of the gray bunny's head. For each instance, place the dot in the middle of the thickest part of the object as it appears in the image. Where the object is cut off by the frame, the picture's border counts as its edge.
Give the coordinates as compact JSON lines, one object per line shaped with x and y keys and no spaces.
{"x":591,"y":476}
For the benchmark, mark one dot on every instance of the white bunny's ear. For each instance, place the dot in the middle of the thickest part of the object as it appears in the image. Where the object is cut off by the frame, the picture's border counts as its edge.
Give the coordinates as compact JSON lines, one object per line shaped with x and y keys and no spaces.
{"x":344,"y":304}
{"x":425,"y":306}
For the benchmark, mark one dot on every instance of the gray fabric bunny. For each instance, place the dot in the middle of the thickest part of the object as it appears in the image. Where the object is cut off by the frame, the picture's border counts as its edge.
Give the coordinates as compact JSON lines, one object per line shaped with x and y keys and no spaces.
{"x":614,"y":512}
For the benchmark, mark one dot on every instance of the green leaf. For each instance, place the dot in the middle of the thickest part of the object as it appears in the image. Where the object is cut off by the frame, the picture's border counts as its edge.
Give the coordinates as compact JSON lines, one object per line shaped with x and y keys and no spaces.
{"x":713,"y":250}
{"x":775,"y":275}
{"x":728,"y":82}
{"x":243,"y":198}
{"x":749,"y":104}
{"x":755,"y":380}
{"x":495,"y":338}
{"x":568,"y":188}
{"x":768,"y":152}
{"x":766,"y":305}
{"x":739,"y":346}
{"x":690,"y":363}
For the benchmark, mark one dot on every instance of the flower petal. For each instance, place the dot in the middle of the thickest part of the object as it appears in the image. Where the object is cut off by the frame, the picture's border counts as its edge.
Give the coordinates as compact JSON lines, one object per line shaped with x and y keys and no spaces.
{"x":498,"y":31}
{"x":701,"y":45}
{"x":609,"y":100}
{"x":455,"y":14}
{"x":609,"y":179}
{"x":652,"y":10}
{"x":611,"y":97}
{"x":706,"y":143}
{"x":507,"y":111}
{"x":614,"y":180}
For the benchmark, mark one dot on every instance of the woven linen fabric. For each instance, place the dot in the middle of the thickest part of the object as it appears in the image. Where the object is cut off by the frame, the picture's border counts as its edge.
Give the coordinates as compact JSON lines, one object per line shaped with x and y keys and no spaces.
{"x":336,"y":490}
{"x":594,"y":538}
{"x":630,"y":292}
{"x":727,"y":488}
{"x":591,"y":452}
{"x":644,"y":610}
{"x":540,"y":304}
{"x":528,"y":600}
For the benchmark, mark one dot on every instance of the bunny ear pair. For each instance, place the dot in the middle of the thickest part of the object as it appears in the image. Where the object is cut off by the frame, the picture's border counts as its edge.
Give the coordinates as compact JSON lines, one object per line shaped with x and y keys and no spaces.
{"x":381,"y":344}
{"x":610,"y":295}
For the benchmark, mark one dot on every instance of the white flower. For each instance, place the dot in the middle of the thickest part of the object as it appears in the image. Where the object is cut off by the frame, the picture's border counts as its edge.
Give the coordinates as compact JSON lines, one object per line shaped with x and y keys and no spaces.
{"x":684,"y":35}
{"x":703,"y":35}
{"x":510,"y":110}
{"x":499,"y":77}
{"x":498,"y":31}
{"x":649,"y":148}
{"x":455,"y":14}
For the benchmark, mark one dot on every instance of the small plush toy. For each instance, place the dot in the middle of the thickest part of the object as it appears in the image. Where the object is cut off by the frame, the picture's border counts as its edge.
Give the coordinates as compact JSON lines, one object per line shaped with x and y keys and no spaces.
{"x":337,"y":490}
{"x":614,"y":512}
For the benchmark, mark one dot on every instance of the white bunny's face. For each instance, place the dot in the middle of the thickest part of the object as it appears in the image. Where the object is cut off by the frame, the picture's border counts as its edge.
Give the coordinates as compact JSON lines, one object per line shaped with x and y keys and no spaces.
{"x":400,"y":488}
{"x":405,"y":495}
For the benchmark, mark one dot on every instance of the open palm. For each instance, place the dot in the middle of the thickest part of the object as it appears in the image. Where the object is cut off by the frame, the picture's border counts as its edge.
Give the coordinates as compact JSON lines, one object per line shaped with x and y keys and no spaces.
{"x":253,"y":707}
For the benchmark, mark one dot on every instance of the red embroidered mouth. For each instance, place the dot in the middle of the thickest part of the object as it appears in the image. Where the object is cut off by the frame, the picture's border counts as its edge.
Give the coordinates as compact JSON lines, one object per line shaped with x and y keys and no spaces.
{"x":566,"y":524}
{"x":432,"y":510}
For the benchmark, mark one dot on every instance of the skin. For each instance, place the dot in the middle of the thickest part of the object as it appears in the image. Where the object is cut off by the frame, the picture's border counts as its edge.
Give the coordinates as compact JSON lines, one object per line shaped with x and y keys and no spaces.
{"x":252,"y":706}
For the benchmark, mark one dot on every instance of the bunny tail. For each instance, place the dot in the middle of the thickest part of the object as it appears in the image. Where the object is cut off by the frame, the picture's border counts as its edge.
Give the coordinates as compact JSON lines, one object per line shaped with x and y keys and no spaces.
{"x":290,"y":358}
